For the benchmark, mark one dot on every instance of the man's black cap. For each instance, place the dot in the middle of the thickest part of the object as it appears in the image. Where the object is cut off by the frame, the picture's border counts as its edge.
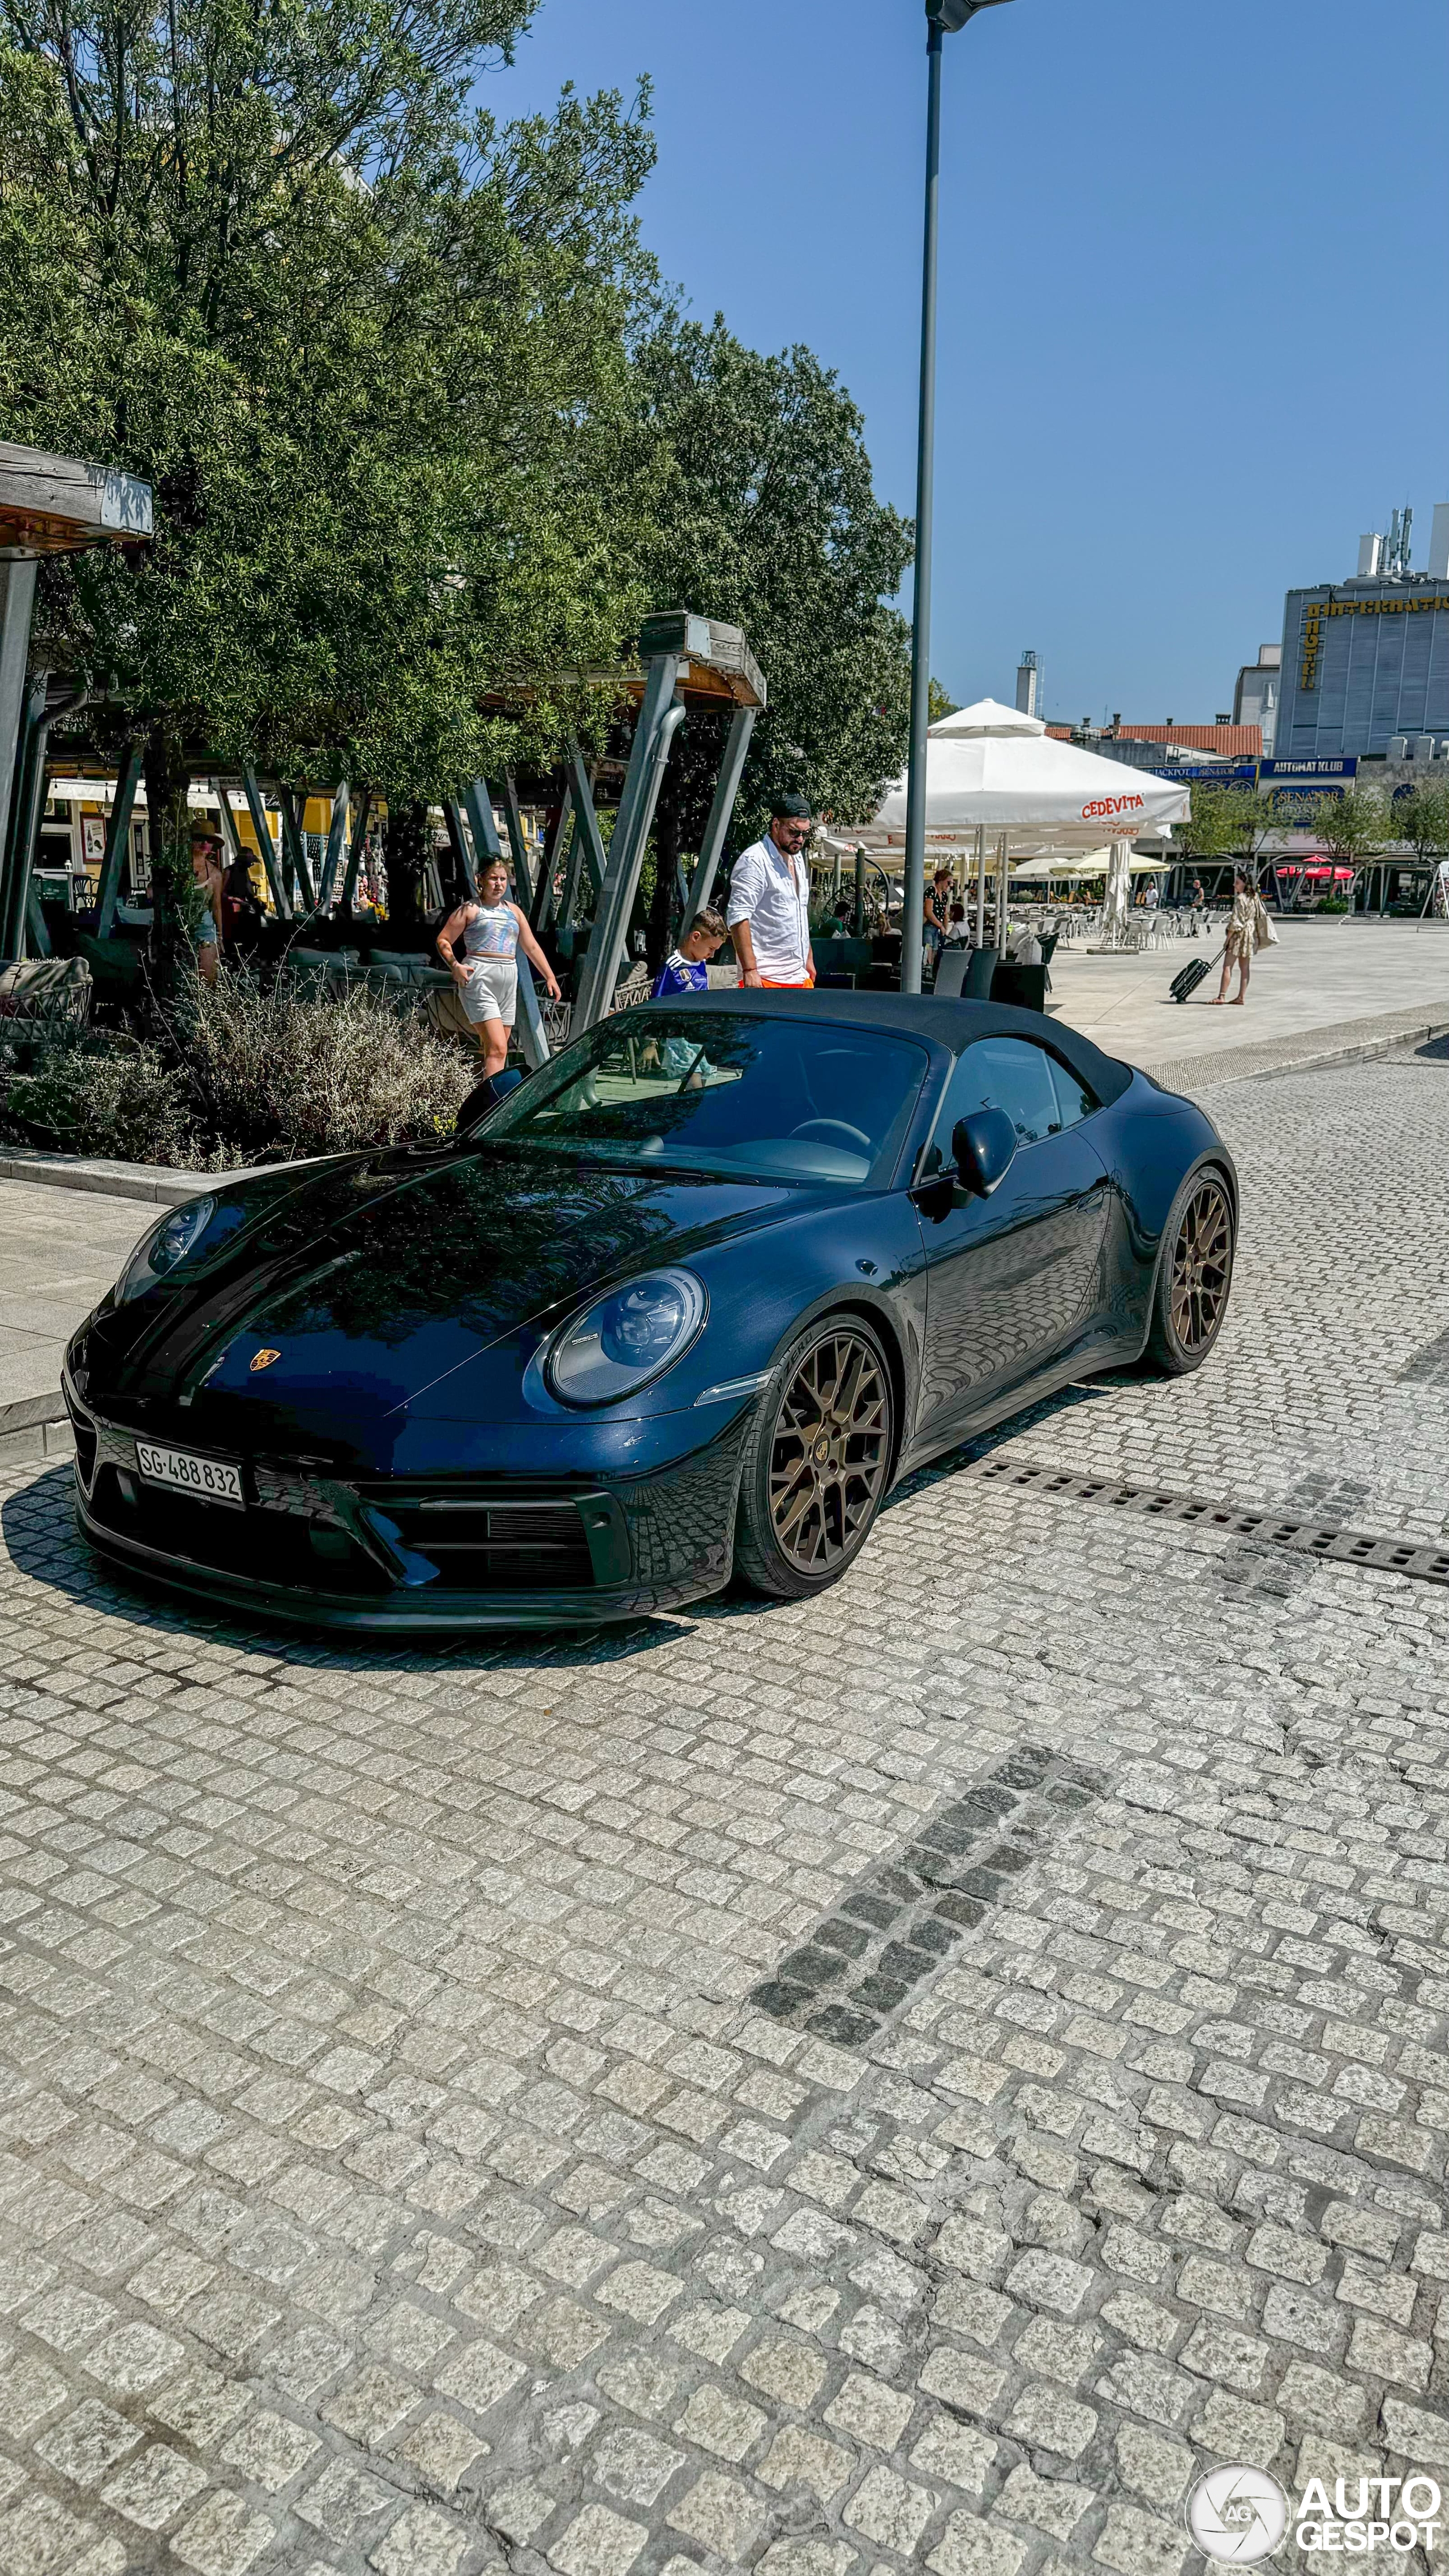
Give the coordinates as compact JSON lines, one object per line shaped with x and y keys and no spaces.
{"x":790,"y":809}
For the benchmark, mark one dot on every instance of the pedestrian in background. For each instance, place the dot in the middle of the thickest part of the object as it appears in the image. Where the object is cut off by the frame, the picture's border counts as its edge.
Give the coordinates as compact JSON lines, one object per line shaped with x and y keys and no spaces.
{"x":1249,"y":929}
{"x":935,"y":915}
{"x":492,"y":930}
{"x":206,"y":868}
{"x":769,"y":901}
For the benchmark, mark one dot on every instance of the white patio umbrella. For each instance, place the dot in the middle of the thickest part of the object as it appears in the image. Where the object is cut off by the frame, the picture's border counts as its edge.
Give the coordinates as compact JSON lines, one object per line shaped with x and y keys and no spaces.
{"x":991,"y":768}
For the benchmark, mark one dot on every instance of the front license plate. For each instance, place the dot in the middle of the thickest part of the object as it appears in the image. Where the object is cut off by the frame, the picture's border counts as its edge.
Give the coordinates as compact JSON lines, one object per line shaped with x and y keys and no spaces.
{"x":214,"y":1481}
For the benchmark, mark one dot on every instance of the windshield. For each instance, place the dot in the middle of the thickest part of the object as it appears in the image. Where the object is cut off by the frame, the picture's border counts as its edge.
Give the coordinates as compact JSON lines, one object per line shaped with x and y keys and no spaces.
{"x":717,"y":1092}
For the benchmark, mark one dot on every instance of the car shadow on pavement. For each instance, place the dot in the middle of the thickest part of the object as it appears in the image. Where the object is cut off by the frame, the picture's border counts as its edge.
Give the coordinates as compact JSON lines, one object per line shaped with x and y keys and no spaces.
{"x":42,"y":1542}
{"x":971,"y":1452}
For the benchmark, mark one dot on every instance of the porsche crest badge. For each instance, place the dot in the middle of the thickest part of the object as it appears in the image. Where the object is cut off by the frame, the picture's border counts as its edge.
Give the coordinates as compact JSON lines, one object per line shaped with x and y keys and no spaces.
{"x":263,"y":1359}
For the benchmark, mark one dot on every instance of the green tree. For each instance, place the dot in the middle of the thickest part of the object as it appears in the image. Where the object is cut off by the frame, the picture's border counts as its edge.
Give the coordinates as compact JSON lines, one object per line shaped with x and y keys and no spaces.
{"x":769,"y":520}
{"x":939,"y":703}
{"x":1421,"y":819}
{"x":1227,"y":822}
{"x":373,"y":357}
{"x":1350,"y":826}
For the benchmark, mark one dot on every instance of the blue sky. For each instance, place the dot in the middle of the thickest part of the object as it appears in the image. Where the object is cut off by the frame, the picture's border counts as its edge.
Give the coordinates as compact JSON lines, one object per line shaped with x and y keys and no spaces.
{"x":1192,"y":312}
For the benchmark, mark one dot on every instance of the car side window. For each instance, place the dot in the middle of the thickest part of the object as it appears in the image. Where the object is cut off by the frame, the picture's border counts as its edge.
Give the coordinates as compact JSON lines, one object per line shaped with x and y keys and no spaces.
{"x":1010,"y":1074}
{"x":1074,"y":1101}
{"x":1039,"y":1095}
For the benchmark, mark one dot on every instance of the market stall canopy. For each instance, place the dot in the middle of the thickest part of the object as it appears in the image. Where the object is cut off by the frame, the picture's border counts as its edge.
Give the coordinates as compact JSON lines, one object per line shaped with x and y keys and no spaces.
{"x":990,"y":767}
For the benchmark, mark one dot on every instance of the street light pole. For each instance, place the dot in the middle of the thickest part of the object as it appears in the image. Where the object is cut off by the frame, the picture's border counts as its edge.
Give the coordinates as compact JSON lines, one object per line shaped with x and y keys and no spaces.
{"x":943,"y":18}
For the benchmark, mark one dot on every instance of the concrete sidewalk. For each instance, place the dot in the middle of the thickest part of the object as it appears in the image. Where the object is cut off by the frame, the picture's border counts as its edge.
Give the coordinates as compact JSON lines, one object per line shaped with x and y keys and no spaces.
{"x":60,"y":1249}
{"x":1322,"y":981}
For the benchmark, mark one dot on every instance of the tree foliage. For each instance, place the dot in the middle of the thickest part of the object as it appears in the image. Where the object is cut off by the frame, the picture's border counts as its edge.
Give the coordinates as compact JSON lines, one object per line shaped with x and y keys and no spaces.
{"x":1421,"y":819}
{"x":1349,"y":826}
{"x":422,"y":431}
{"x":1227,"y":822}
{"x":769,"y":520}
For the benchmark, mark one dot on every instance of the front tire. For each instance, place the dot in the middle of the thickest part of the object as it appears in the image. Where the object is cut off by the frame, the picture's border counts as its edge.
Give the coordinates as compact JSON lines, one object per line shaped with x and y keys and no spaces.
{"x":1194,"y":1276}
{"x":817,"y":1461}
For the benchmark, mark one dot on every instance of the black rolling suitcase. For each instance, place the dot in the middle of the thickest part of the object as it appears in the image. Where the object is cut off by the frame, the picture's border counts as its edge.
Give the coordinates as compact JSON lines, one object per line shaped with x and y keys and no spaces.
{"x":1190,"y":978}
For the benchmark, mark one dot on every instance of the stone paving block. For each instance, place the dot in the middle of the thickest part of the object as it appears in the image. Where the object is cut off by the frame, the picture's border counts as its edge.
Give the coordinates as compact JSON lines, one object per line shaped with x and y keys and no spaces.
{"x":598,"y":2542}
{"x":1137,"y":2544}
{"x":1053,"y":2505}
{"x":968,"y":2547}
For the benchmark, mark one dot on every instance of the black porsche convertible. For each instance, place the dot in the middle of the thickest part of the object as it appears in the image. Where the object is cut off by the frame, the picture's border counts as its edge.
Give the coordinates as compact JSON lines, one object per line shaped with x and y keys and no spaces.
{"x":686,"y":1302}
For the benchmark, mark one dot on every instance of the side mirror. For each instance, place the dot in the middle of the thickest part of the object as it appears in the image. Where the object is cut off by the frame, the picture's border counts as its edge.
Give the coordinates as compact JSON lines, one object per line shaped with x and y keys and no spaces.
{"x":984,"y":1147}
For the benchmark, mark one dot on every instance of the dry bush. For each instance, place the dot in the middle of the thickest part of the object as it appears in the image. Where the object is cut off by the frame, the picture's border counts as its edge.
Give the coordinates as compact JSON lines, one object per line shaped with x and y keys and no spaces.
{"x":235,"y":1075}
{"x":81,"y":1092}
{"x":274,"y":1074}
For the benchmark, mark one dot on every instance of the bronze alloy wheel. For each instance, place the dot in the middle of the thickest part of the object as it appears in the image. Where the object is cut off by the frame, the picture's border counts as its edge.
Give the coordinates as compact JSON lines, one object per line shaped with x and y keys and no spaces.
{"x":829,"y":1452}
{"x":1202,"y":1266}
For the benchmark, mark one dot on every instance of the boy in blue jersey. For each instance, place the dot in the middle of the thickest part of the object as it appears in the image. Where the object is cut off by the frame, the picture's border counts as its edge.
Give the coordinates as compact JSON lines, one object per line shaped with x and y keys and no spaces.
{"x":687,"y":969}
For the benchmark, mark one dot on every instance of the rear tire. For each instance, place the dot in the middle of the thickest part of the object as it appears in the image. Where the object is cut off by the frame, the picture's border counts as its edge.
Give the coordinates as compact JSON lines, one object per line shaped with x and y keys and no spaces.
{"x":1194,"y":1276}
{"x":817,"y":1461}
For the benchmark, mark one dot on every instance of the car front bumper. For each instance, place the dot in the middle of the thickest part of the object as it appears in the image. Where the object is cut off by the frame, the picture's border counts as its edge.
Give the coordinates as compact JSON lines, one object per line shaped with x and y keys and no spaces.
{"x":412,"y":1557}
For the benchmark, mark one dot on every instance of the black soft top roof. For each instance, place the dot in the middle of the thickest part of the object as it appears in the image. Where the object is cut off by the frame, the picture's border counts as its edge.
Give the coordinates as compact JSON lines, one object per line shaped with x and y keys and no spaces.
{"x":920,"y":1015}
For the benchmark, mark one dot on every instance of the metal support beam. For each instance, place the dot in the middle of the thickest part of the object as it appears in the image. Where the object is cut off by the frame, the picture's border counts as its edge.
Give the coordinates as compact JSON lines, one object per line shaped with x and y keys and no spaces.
{"x":336,"y":843}
{"x":588,"y":821}
{"x":568,"y":900}
{"x":478,"y":806}
{"x":542,"y":912}
{"x":659,"y":721}
{"x":731,"y":769}
{"x":118,"y":841}
{"x":532,"y":1035}
{"x":294,"y":847}
{"x":17,"y":601}
{"x":522,"y":872}
{"x":22,"y":915}
{"x":461,"y":855}
{"x":354,"y":855}
{"x":276,"y":873}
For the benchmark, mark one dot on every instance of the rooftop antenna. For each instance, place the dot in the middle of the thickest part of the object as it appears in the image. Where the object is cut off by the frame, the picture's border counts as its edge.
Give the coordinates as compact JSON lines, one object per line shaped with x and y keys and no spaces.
{"x":1396,"y":553}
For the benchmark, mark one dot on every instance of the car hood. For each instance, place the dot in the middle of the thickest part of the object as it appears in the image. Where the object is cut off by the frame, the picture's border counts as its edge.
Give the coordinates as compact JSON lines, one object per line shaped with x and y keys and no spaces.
{"x":374,"y":1286}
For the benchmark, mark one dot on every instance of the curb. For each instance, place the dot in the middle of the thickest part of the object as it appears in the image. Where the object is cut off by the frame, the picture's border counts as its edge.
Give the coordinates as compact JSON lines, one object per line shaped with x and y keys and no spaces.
{"x":158,"y":1183}
{"x":1207,"y":1072}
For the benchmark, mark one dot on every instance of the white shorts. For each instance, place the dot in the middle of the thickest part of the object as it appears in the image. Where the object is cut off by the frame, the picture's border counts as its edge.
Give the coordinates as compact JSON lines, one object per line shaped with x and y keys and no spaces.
{"x":491,"y":992}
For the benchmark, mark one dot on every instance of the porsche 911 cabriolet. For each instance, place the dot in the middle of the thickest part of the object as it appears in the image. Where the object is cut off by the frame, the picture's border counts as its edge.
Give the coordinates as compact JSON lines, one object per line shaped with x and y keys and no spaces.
{"x":683,"y":1305}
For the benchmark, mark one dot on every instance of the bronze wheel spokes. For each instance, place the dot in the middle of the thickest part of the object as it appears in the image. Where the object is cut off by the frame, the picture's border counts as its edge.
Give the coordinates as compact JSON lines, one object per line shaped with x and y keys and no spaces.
{"x":829,"y":1452}
{"x":1202,"y":1263}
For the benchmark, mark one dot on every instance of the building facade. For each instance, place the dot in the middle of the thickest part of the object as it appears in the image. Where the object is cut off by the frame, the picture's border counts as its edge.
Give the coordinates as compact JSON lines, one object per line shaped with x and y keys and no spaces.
{"x":1365,"y":669}
{"x":1255,"y":699}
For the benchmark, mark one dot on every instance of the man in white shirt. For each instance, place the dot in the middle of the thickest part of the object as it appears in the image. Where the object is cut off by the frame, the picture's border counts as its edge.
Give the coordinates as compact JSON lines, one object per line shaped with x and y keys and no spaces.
{"x":769,"y":904}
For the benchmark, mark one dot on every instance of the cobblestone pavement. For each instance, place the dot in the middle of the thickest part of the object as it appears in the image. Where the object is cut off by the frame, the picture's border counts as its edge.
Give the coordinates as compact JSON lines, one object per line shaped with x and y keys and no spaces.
{"x":433,"y":2137}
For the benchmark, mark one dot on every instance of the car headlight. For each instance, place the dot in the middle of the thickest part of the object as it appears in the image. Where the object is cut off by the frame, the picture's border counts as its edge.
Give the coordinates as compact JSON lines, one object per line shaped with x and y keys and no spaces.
{"x":165,"y":1247}
{"x":626,"y":1338}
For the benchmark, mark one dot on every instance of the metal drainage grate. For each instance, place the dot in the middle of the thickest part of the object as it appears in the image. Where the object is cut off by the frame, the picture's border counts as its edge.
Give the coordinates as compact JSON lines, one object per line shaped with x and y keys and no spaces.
{"x":1426,"y":1564}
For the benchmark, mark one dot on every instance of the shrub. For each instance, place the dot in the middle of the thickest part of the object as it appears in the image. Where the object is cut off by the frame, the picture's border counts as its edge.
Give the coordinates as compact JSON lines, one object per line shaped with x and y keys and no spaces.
{"x":79,"y":1092}
{"x":273,"y":1074}
{"x":234,"y":1075}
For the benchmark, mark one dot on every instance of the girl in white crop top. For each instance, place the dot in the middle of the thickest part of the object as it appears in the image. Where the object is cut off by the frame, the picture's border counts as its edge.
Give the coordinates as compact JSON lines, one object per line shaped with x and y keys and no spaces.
{"x":492,"y":931}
